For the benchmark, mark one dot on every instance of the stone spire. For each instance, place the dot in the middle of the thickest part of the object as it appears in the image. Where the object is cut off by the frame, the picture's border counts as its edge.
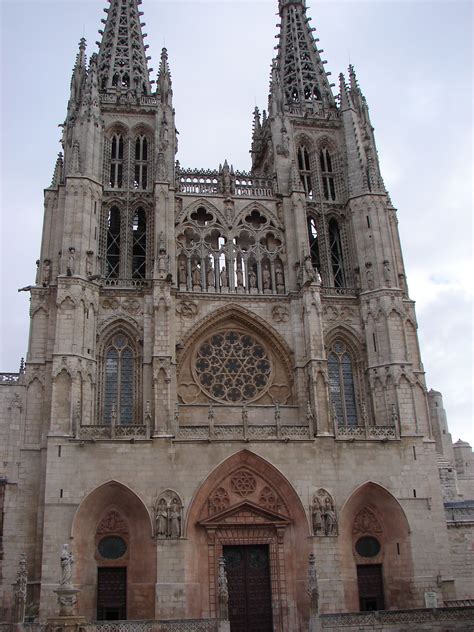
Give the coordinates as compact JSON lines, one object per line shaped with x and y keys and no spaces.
{"x":122,"y":62}
{"x":299,"y":71}
{"x":78,"y":78}
{"x":164,"y":89}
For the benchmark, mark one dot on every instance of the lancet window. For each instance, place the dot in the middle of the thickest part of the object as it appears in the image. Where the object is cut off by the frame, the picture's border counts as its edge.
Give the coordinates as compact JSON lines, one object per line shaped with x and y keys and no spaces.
{"x":113,"y":244}
{"x":341,"y":384}
{"x":305,"y":171}
{"x":139,"y":239}
{"x":327,"y":175}
{"x":248,"y":258}
{"x":119,"y":375}
{"x":116,"y":162}
{"x":336,"y":254}
{"x":141,"y":163}
{"x":314,"y":243}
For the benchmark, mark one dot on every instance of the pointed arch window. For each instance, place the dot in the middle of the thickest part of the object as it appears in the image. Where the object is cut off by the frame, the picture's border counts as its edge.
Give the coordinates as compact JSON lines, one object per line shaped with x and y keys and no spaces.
{"x":337,"y":261}
{"x":113,"y":244}
{"x":341,"y":384}
{"x":305,"y":171}
{"x":327,"y":175}
{"x":141,"y":162}
{"x":116,"y":162}
{"x":314,"y":243}
{"x":139,"y":245}
{"x":119,"y":381}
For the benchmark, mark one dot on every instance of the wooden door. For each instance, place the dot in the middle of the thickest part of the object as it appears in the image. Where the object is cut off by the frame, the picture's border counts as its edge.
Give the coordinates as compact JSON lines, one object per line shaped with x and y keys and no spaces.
{"x":112,"y":594}
{"x":369,"y":580}
{"x":250,"y":597}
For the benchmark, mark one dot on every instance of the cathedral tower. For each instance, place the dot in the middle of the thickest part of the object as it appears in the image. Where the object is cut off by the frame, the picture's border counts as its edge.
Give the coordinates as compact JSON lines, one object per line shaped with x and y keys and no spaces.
{"x":223,"y":386}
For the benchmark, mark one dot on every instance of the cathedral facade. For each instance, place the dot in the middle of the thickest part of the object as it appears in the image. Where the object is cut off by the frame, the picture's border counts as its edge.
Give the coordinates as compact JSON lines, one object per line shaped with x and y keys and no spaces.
{"x":223,"y":411}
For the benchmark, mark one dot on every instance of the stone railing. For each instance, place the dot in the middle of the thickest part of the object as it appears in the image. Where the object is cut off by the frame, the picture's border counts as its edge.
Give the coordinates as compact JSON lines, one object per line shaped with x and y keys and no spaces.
{"x":459,"y":512}
{"x":380,"y":433}
{"x":115,"y":98}
{"x":339,"y":291}
{"x":136,"y":431}
{"x":135,"y":284}
{"x":431,"y":619}
{"x":9,"y":378}
{"x":239,"y":433}
{"x":209,"y":182}
{"x":182,"y":625}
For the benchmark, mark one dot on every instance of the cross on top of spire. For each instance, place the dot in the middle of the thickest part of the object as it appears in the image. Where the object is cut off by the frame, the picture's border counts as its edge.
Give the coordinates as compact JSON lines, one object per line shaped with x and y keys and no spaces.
{"x":122,"y":62}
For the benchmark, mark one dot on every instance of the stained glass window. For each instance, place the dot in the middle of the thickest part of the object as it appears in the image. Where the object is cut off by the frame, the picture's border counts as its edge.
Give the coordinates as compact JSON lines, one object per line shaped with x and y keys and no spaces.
{"x":119,"y":382}
{"x":341,"y":384}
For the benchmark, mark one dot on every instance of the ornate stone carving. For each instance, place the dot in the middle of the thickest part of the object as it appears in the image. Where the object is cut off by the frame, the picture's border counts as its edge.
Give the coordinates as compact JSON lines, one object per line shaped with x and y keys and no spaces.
{"x":223,"y":591}
{"x":67,"y":560}
{"x":187,"y":309}
{"x":218,"y":501}
{"x":280,"y":314}
{"x":168,"y":516}
{"x":313,"y":586}
{"x":367,"y":521}
{"x":20,"y":588}
{"x":243,"y":483}
{"x":323,"y":514}
{"x":269,"y":499}
{"x":113,"y":522}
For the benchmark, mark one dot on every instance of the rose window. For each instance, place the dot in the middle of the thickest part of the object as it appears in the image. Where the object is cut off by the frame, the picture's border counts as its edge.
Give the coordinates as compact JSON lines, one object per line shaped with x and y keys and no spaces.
{"x":232,"y":367}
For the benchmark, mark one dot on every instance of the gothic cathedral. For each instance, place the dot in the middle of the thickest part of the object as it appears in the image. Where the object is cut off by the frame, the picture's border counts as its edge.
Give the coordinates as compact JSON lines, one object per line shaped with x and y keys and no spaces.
{"x":222,"y":422}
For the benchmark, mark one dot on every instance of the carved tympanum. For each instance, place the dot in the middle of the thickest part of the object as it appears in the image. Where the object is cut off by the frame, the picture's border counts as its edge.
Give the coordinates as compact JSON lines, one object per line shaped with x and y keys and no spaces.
{"x":367,"y":521}
{"x":112,"y":522}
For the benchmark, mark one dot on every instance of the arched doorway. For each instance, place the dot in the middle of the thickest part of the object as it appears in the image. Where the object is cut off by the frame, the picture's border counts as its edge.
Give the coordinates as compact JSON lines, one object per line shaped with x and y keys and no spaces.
{"x":248,"y":512}
{"x":377,"y":568}
{"x":115,"y":555}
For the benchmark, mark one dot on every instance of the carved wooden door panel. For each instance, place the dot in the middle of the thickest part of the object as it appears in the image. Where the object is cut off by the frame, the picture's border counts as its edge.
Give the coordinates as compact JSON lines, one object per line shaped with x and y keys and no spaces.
{"x":248,"y":576}
{"x":369,"y":580}
{"x":112,"y":594}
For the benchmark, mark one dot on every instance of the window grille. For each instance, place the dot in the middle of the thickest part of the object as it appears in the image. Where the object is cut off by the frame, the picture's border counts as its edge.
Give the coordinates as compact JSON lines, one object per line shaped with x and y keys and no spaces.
{"x":113,"y":244}
{"x":305,"y":171}
{"x":139,"y":245}
{"x":116,"y":162}
{"x":341,"y":384}
{"x":141,"y":163}
{"x":337,"y":260}
{"x":327,"y":175}
{"x":314,"y":243}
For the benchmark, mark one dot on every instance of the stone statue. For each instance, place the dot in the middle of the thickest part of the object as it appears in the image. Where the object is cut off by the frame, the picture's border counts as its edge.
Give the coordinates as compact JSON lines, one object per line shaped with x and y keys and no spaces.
{"x":387,"y":273}
{"x":89,"y":263}
{"x":317,"y":517}
{"x":279,"y":277}
{"x":162,"y":265}
{"x":148,"y":413}
{"x":67,"y":560}
{"x":309,"y":275}
{"x":357,"y":277}
{"x":46,"y":272}
{"x":223,"y":591}
{"x":20,"y":588}
{"x":60,"y":262}
{"x":37,"y":276}
{"x":224,"y":278}
{"x":240,"y":276}
{"x":211,"y":276}
{"x":252,"y":280}
{"x":370,"y":275}
{"x":394,"y":415}
{"x":182,"y":276}
{"x":329,"y":518}
{"x":71,"y":261}
{"x":196,"y":275}
{"x":266,"y":278}
{"x":313,"y":586}
{"x":175,"y":520}
{"x":161,"y":519}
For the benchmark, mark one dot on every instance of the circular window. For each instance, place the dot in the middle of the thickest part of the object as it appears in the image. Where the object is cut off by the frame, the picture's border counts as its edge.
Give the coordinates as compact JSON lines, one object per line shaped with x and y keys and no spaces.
{"x":231,"y":366}
{"x":368,"y":546}
{"x":112,"y":547}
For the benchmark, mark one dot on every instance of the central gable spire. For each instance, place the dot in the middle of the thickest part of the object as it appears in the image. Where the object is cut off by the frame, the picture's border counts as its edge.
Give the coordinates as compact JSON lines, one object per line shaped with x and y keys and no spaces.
{"x":302,"y":78}
{"x":122,"y":61}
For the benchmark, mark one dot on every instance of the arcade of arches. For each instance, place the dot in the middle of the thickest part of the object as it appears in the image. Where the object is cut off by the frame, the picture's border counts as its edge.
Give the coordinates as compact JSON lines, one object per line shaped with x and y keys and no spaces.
{"x":247,"y":511}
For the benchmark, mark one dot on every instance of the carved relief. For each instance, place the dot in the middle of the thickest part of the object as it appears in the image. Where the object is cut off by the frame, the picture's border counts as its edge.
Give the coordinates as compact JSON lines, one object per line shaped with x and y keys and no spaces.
{"x":367,"y":521}
{"x":270,"y":500}
{"x":218,"y":501}
{"x":187,"y":309}
{"x":323,"y":514}
{"x":168,"y":516}
{"x":280,"y":314}
{"x":243,"y":483}
{"x":112,"y":522}
{"x":130,"y":305}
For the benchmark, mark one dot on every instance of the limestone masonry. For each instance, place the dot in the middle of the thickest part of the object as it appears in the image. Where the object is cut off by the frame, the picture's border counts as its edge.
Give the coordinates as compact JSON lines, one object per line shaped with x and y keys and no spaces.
{"x":223,"y":412}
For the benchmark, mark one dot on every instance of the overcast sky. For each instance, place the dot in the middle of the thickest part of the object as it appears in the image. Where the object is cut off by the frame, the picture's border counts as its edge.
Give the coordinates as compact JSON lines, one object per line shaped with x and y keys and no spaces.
{"x":414,"y":64}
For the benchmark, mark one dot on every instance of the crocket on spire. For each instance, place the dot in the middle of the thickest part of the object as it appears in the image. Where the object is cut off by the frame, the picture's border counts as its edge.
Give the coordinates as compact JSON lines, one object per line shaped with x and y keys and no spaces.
{"x":122,"y":60}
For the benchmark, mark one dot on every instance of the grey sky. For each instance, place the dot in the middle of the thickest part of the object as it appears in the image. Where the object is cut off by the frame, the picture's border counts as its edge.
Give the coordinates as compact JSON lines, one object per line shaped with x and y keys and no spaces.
{"x":414,"y":64}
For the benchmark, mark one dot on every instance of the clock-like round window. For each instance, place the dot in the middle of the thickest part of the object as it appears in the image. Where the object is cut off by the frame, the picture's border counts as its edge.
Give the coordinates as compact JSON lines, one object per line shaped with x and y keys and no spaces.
{"x":232,"y":367}
{"x":112,"y":547}
{"x":367,"y":546}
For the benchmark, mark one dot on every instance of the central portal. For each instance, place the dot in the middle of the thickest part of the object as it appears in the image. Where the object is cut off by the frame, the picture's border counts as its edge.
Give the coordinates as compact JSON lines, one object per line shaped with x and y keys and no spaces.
{"x":248,"y":577}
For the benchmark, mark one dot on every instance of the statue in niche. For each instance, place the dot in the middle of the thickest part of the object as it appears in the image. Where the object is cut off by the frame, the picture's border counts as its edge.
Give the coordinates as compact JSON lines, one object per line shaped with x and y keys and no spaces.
{"x":357,"y":277}
{"x":279,"y":277}
{"x":240,"y":275}
{"x":46,"y":272}
{"x":175,"y":519}
{"x":37,"y":276}
{"x":182,"y":276}
{"x":196,"y":275}
{"x":266,"y":278}
{"x":224,"y":277}
{"x":252,"y":280}
{"x":67,"y":560}
{"x":60,"y":262}
{"x":309,"y":276}
{"x":211,"y":275}
{"x":71,"y":261}
{"x":161,"y":519}
{"x":317,"y":516}
{"x":323,"y":514}
{"x":387,"y":273}
{"x":89,"y":263}
{"x":329,"y":517}
{"x":370,"y":275}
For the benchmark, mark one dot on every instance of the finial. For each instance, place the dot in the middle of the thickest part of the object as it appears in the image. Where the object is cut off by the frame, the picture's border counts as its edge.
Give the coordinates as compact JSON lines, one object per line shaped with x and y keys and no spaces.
{"x":353,"y":78}
{"x":58,"y":171}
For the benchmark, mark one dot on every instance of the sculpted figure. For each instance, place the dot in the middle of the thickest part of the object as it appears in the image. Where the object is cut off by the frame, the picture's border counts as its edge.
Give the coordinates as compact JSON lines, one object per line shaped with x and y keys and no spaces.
{"x":266,"y":278}
{"x":89,"y":263}
{"x":196,"y":275}
{"x":279,"y":276}
{"x":330,"y":522}
{"x":71,"y":261}
{"x":161,"y":519}
{"x":211,"y":276}
{"x":182,"y":276}
{"x":240,"y":277}
{"x":252,"y":279}
{"x":387,"y":273}
{"x":37,"y":272}
{"x":224,"y":279}
{"x":175,"y":520}
{"x":317,"y":516}
{"x":67,"y":560}
{"x":46,"y":272}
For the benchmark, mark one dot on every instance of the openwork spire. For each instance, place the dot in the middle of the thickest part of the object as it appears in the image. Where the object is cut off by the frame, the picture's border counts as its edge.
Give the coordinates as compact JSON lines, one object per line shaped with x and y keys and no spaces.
{"x":164,"y":79}
{"x":122,"y":62}
{"x":300,"y":69}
